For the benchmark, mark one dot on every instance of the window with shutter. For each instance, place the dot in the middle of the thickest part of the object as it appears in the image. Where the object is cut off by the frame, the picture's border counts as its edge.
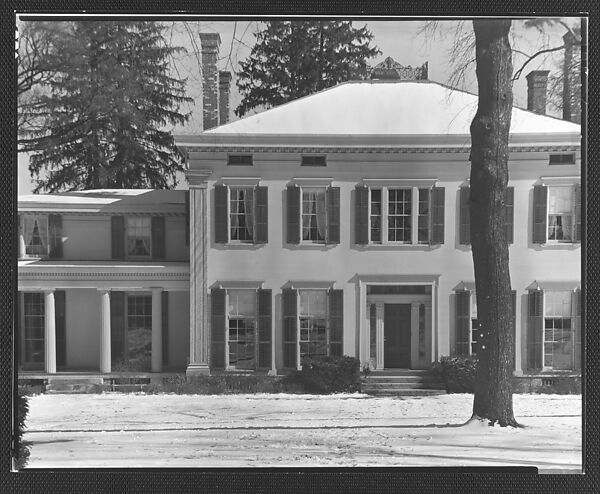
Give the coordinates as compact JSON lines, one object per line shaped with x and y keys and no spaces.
{"x":241,"y":214}
{"x":218,"y":323}
{"x":35,"y":234}
{"x":399,"y":215}
{"x":289,"y":298}
{"x":265,"y":323}
{"x":158,"y":246}
{"x":118,"y":237}
{"x":559,"y":330}
{"x":464,"y":234}
{"x":140,"y":233}
{"x":556,"y":214}
{"x":361,"y":215}
{"x":535,"y":328}
{"x":55,"y":236}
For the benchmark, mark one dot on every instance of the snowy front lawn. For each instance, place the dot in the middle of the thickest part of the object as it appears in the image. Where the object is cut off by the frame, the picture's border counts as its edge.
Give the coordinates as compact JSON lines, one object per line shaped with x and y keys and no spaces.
{"x":137,"y":430}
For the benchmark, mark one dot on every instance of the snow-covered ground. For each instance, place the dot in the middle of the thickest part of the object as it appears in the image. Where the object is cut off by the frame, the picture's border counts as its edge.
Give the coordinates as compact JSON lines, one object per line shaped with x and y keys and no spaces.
{"x":137,"y":430}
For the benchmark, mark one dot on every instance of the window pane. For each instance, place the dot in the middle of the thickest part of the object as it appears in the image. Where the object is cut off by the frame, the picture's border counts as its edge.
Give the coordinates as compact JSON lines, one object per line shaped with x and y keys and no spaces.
{"x":139,"y":235}
{"x":560,"y":213}
{"x":399,"y":215}
{"x":242,"y":303}
{"x":314,"y":214}
{"x":139,"y":332}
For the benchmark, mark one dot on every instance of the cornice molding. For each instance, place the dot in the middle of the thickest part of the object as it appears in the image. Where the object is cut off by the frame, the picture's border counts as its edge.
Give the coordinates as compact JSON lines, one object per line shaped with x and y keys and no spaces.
{"x":362,"y":150}
{"x":198,"y":177}
{"x":95,"y":275}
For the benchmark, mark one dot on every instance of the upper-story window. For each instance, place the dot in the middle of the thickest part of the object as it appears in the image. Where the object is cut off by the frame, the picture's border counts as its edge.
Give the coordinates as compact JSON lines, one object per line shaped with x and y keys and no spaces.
{"x":464,"y":228}
{"x":139,"y":236}
{"x":241,"y":214}
{"x":313,"y":214}
{"x":557,"y":214}
{"x":314,"y":160}
{"x":562,"y":159}
{"x":239,"y":160}
{"x":40,"y":235}
{"x":399,"y":215}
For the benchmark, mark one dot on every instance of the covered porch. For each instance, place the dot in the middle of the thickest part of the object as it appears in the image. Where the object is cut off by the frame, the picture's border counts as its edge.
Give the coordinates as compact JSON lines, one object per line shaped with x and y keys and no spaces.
{"x":101,"y":317}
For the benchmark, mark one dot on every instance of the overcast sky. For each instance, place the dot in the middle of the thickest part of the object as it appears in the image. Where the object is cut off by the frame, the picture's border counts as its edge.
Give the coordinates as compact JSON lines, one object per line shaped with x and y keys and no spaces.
{"x":403,"y":40}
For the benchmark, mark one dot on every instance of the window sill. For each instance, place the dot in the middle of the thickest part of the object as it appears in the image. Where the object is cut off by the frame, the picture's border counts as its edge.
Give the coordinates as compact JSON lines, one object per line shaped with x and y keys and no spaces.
{"x":391,"y":246}
{"x":558,"y":246}
{"x":310,"y":246}
{"x":238,"y":246}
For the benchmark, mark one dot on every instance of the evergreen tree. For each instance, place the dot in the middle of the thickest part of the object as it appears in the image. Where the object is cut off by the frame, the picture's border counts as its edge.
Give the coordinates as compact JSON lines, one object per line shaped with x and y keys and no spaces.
{"x":292,"y":59}
{"x":99,"y":123}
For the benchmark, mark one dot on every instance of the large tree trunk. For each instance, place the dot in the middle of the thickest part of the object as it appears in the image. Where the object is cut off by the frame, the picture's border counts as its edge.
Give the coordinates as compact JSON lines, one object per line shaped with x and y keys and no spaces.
{"x":489,"y":177}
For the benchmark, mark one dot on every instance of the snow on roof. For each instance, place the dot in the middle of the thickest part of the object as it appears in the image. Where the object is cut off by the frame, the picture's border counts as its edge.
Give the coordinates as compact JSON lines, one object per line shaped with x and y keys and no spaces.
{"x":384,"y":107}
{"x":98,"y":199}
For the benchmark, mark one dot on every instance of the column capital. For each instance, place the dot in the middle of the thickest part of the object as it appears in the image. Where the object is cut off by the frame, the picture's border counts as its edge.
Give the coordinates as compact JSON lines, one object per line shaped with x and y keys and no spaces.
{"x":198,"y":178}
{"x":104,"y":290}
{"x":49,"y":290}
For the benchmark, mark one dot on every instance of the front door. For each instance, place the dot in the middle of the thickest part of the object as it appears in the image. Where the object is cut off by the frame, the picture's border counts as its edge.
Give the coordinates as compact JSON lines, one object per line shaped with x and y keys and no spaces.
{"x":396,"y":327}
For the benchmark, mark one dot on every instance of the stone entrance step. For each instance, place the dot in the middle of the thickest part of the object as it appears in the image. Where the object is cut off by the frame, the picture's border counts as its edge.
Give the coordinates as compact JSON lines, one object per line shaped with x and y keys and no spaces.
{"x":73,"y":385}
{"x":402,"y":382}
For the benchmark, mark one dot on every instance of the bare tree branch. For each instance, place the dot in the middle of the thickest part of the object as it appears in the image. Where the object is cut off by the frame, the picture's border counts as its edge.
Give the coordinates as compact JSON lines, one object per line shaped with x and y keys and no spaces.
{"x":535,"y":55}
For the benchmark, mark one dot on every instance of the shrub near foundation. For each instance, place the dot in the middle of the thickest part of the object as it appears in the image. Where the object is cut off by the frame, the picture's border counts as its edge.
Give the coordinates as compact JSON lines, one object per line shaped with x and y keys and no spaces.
{"x":323,"y":375}
{"x":457,"y":373}
{"x":22,"y":447}
{"x":221,"y":384}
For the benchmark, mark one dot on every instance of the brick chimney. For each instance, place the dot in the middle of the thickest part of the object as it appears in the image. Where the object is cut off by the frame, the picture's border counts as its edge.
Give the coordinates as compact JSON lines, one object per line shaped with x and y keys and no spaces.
{"x":224,"y":89}
{"x":570,"y":80}
{"x":537,"y":87}
{"x":210,"y":43}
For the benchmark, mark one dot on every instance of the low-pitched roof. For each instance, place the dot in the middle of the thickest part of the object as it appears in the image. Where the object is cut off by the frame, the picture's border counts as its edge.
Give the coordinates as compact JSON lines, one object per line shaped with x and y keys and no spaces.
{"x":384,"y":108}
{"x":105,"y":200}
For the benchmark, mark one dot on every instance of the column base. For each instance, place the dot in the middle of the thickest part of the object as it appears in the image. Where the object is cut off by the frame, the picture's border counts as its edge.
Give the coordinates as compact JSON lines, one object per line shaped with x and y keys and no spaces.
{"x":518,"y":373}
{"x":197,"y":370}
{"x":272,"y":372}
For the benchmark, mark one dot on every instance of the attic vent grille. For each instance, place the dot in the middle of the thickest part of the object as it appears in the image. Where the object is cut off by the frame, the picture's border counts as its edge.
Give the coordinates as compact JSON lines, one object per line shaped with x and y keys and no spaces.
{"x":320,"y":160}
{"x":562,"y":159}
{"x":239,"y":160}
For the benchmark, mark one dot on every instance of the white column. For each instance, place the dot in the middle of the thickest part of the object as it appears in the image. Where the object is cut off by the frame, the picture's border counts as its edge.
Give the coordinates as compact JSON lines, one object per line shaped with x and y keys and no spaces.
{"x":156,"y":329}
{"x":414,"y":335}
{"x":273,"y":370}
{"x":428,"y":334}
{"x":199,"y":326}
{"x":21,"y":243}
{"x":49,"y":332}
{"x":105,"y":356}
{"x":434,"y":324}
{"x":518,"y":336}
{"x":380,"y":335}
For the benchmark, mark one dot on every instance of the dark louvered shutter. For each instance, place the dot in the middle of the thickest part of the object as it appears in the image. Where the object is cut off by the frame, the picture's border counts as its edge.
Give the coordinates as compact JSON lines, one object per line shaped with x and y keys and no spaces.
{"x":217,"y":333}
{"x":535,"y":329}
{"x":463,"y":322}
{"x":117,"y":327}
{"x":333,"y":215}
{"x":361,"y":215}
{"x":577,"y":310}
{"x":61,"y":328}
{"x":289,"y":300}
{"x":55,"y":236}
{"x":464,"y":233}
{"x":264,"y":327}
{"x":336,"y":322}
{"x":164,"y":303}
{"x":293,"y":214}
{"x":187,"y":217}
{"x":509,"y":207}
{"x":577,"y":220}
{"x":437,"y":215}
{"x":117,"y":224}
{"x":540,"y":200}
{"x":513,"y":302}
{"x":261,"y":215}
{"x":221,"y":233}
{"x":158,"y":237}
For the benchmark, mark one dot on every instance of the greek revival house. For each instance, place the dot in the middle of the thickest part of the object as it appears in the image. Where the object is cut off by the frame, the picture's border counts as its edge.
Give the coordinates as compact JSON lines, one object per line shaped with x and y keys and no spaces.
{"x":336,"y":224}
